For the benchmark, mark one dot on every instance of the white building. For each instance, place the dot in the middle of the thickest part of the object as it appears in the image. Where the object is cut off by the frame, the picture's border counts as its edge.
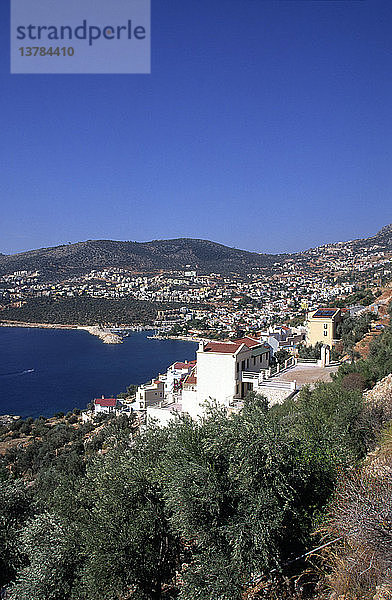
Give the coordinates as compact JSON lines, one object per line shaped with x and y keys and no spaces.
{"x":162,"y":415}
{"x":190,"y":405}
{"x":105,"y":405}
{"x":225,"y":373}
{"x":174,"y":376}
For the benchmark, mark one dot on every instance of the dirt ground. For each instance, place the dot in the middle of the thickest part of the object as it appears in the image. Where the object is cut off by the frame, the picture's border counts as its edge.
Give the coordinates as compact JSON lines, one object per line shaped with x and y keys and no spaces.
{"x":307,"y":374}
{"x":362,"y":347}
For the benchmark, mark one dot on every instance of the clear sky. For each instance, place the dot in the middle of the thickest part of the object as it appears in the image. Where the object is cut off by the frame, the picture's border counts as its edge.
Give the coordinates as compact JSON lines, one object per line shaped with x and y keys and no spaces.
{"x":264,"y":125}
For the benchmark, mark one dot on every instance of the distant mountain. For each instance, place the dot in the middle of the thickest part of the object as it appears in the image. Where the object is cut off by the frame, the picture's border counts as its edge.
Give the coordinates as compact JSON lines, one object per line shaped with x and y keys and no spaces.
{"x":177,"y":254}
{"x":383,"y":238}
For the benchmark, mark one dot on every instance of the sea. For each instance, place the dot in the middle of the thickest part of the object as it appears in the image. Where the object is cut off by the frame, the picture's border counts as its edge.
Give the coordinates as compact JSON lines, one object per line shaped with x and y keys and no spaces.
{"x":45,"y":371}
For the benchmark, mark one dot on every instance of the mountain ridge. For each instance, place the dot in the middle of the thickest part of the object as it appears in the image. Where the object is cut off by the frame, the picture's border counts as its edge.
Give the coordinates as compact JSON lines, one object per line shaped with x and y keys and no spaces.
{"x":172,"y":254}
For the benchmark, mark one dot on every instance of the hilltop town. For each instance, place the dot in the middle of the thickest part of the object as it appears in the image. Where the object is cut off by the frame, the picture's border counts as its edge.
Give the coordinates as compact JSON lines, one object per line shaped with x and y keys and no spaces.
{"x":193,"y":299}
{"x":267,"y":329}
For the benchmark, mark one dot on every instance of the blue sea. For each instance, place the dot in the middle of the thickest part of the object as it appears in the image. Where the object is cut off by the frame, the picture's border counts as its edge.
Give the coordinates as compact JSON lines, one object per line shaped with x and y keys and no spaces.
{"x":44,"y":371}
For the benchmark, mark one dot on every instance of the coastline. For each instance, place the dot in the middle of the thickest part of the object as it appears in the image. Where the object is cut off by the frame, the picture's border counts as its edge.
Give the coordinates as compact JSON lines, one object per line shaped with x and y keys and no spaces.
{"x":37,"y":325}
{"x":57,"y":372}
{"x":103,"y":333}
{"x":183,"y":338}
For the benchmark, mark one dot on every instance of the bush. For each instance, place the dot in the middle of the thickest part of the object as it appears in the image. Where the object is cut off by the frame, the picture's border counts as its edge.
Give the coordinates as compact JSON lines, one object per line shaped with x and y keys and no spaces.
{"x":354,"y":381}
{"x":362,"y":515}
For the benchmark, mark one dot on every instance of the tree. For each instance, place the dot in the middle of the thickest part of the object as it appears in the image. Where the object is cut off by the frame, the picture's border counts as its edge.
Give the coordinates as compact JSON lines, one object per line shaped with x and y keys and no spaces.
{"x":310,"y":352}
{"x":125,"y":532}
{"x":361,"y":514}
{"x":53,"y":554}
{"x":241,"y":494}
{"x":281,"y":356}
{"x":15,"y":508}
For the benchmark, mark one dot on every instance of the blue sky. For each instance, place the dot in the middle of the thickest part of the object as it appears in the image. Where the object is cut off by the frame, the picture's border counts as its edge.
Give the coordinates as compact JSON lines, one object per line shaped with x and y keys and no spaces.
{"x":264,"y":125}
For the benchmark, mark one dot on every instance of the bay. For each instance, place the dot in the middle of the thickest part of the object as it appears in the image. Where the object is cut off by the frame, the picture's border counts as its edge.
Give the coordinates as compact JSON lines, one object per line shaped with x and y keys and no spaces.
{"x":44,"y":371}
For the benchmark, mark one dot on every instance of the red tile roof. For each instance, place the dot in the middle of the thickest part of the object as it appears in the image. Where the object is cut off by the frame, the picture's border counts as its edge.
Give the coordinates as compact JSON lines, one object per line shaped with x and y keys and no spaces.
{"x":248,"y":341}
{"x":223,"y":347}
{"x":183,"y":365}
{"x":191,"y":379}
{"x":106,"y":401}
{"x":231,"y":347}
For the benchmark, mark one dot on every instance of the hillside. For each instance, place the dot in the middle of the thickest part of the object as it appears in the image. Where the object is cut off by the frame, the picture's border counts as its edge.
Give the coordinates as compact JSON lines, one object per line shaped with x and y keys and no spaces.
{"x":64,"y":261}
{"x":383,"y":238}
{"x":176,"y":254}
{"x":278,"y":503}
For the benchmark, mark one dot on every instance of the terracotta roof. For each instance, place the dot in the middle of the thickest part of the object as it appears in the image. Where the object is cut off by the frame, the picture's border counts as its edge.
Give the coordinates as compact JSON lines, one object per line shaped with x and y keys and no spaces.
{"x":250,"y":342}
{"x":183,"y":365}
{"x":106,"y":401}
{"x":232,"y":347}
{"x":222,"y":347}
{"x":191,"y":379}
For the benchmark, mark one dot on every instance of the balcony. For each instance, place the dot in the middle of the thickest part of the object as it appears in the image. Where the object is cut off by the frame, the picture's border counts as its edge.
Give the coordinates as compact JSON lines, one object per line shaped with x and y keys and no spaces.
{"x":249,"y":377}
{"x":254,"y":376}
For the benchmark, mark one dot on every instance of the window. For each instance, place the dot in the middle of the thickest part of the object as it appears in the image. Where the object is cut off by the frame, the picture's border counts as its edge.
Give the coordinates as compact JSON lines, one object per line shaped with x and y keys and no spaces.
{"x":325,"y":325}
{"x":325,"y":333}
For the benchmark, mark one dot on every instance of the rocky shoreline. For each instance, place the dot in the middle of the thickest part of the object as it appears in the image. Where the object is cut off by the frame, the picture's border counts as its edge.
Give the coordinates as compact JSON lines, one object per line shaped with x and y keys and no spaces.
{"x":103,"y":334}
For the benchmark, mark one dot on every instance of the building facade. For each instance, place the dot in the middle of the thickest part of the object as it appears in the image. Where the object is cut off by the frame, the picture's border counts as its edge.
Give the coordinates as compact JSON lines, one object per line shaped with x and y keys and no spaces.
{"x":321,"y":326}
{"x":223,"y":370}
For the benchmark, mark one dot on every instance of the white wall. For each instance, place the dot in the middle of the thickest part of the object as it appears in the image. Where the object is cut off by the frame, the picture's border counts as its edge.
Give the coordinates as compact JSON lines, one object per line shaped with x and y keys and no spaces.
{"x":275,"y":395}
{"x":215,"y":377}
{"x":161,"y":415}
{"x":190,"y":403}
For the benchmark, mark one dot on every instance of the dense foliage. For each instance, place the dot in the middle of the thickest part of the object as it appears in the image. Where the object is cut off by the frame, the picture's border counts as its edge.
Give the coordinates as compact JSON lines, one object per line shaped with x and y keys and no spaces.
{"x":363,"y":297}
{"x":84,"y":310}
{"x":352,"y":329}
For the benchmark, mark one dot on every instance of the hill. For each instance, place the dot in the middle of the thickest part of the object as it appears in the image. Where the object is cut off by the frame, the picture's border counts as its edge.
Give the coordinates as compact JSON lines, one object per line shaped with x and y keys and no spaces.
{"x":383,"y":239}
{"x":176,"y":254}
{"x":64,"y":261}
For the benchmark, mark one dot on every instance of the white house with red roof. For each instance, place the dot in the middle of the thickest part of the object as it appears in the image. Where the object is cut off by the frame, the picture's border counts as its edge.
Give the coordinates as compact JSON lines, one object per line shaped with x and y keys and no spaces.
{"x":189,"y":393}
{"x":175,"y":376}
{"x":225,"y":372}
{"x":105,"y":405}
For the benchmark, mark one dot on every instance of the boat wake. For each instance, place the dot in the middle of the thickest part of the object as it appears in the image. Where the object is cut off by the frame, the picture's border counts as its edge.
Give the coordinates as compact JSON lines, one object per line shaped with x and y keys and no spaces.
{"x":17,"y":373}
